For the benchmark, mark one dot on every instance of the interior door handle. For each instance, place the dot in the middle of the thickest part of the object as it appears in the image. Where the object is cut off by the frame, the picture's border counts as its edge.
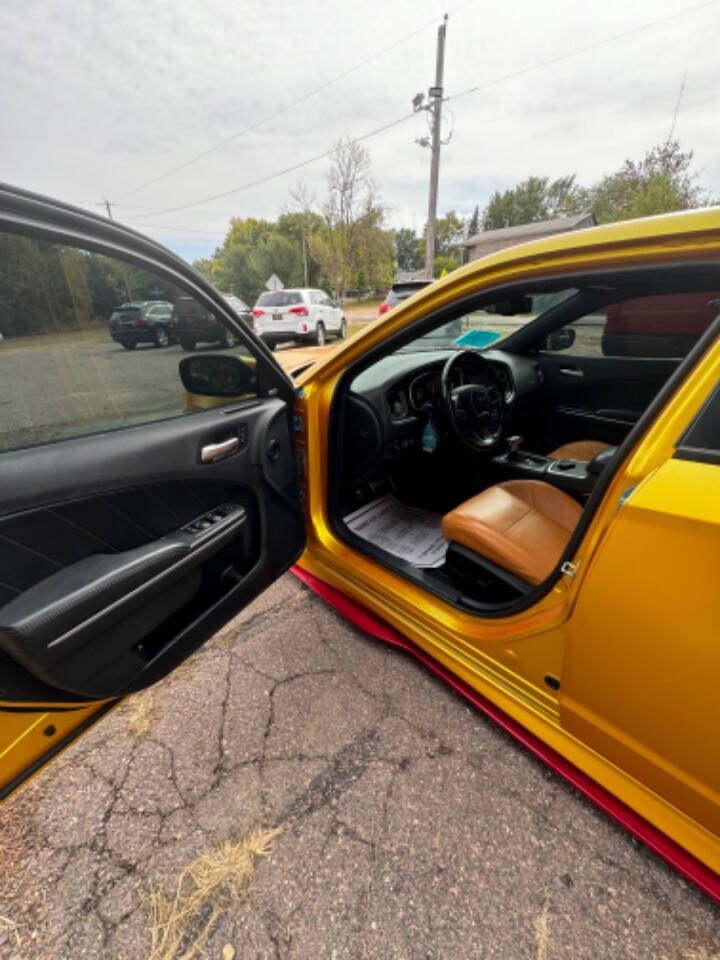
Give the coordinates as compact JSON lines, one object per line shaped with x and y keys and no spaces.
{"x":571,"y":372}
{"x":216,"y":451}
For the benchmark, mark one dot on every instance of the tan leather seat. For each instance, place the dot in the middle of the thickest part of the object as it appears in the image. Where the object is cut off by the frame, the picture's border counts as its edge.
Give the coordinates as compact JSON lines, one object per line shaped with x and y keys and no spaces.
{"x":521,"y":525}
{"x":583,"y":450}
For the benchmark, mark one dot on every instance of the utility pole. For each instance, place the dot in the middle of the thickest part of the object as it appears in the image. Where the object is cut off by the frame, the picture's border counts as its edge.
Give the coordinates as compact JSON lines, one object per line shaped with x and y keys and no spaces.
{"x":108,"y":207}
{"x":304,"y":255}
{"x":434,"y":108}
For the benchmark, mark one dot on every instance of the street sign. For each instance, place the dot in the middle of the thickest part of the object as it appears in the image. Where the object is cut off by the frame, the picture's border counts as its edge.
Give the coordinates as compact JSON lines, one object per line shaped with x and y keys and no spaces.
{"x":274,"y":282}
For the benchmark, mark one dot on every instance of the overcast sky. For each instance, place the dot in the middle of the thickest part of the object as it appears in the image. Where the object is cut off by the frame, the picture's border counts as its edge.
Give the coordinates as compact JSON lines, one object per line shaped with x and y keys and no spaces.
{"x":100,"y":96}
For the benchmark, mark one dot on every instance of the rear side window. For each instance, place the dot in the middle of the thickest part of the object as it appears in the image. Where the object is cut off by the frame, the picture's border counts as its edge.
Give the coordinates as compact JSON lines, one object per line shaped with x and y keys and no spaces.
{"x":83,"y":351}
{"x":279,"y":298}
{"x":659,"y":327}
{"x":125,"y":311}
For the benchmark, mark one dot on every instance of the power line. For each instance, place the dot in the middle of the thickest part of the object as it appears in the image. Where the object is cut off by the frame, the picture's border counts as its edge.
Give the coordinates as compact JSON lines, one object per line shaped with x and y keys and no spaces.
{"x":590,"y":46}
{"x":288,"y":106}
{"x":677,"y":108}
{"x":478,"y":87}
{"x":159,"y":227}
{"x":278,"y":173}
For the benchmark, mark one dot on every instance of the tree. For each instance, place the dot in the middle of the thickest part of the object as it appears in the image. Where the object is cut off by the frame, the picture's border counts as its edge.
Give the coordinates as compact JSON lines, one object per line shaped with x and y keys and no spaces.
{"x":247,"y":231}
{"x":473,"y":224}
{"x":406,"y":250}
{"x":280,"y":255}
{"x":443,"y":265}
{"x":205,"y":266}
{"x":373,"y":263}
{"x":449,"y":234}
{"x":299,"y":223}
{"x":662,"y":181}
{"x":537,"y":198}
{"x":352,"y":247}
{"x":247,"y":258}
{"x":659,"y":183}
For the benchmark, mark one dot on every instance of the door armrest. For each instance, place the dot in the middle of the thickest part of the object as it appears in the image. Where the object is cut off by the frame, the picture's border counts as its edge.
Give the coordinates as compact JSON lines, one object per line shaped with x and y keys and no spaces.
{"x":38,"y":617}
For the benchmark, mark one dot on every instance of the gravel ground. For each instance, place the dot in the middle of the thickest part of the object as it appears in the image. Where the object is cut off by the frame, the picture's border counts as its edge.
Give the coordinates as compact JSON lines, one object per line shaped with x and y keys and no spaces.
{"x":413,"y":828}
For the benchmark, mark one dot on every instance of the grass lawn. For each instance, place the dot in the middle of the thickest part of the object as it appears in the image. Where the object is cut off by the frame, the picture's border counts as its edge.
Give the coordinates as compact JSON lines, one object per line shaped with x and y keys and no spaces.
{"x":365,"y":309}
{"x":355,"y":325}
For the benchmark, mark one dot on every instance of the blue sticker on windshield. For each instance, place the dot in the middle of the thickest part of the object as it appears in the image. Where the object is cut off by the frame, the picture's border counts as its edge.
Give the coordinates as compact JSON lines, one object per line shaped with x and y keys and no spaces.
{"x":477,"y":338}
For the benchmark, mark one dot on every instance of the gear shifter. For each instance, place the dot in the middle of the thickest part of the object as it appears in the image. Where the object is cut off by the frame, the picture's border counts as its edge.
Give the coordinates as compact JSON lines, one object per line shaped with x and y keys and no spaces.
{"x":514,"y":446}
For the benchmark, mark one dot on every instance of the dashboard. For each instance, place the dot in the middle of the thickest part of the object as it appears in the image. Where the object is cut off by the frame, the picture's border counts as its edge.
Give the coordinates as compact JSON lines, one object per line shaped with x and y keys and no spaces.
{"x":389,"y":402}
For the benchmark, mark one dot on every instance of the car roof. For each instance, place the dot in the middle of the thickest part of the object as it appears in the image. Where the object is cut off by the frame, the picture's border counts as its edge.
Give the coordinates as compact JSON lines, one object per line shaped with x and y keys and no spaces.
{"x":402,"y":285}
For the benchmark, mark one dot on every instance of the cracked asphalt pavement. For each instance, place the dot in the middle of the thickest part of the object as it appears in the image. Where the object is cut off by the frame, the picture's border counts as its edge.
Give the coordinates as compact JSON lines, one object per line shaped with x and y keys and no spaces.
{"x":414,"y":828}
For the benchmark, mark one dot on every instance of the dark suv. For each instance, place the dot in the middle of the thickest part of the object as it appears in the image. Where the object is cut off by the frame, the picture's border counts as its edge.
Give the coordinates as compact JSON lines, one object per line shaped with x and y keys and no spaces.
{"x":192,"y":323}
{"x":147,"y":321}
{"x":401,"y":290}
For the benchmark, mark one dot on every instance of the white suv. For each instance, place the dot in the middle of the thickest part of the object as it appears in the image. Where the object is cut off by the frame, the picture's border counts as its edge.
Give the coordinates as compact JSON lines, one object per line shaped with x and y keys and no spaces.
{"x":297,"y":314}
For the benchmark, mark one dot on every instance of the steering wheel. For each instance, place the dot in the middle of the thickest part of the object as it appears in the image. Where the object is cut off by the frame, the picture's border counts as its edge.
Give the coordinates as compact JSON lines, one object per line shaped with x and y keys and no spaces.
{"x":474,"y":400}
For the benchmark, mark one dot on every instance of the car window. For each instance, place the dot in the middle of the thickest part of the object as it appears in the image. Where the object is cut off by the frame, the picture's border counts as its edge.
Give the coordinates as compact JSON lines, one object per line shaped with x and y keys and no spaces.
{"x":279,"y":298}
{"x":485,"y":327}
{"x":664,"y":326}
{"x":238,"y":305}
{"x":77,"y":353}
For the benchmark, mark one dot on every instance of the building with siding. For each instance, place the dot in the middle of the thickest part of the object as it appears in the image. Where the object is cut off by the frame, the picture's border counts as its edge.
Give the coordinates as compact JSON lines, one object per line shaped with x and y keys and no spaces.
{"x":488,"y":241}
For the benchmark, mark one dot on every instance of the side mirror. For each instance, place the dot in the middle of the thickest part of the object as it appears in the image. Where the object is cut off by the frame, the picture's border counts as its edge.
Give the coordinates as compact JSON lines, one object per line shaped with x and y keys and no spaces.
{"x":218,"y":375}
{"x":561,"y":339}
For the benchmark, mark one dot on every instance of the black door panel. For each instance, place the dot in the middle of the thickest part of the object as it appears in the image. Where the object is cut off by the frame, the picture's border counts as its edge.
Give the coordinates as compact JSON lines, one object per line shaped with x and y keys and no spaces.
{"x":598,"y":398}
{"x":138,"y":513}
{"x":122,"y":552}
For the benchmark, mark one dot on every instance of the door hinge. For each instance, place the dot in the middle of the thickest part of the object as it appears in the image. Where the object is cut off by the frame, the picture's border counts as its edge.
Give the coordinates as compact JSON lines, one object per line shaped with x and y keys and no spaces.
{"x":569,"y":569}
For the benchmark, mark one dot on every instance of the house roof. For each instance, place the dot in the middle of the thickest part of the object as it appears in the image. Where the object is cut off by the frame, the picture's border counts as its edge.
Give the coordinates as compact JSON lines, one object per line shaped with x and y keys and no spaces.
{"x":527,"y":230}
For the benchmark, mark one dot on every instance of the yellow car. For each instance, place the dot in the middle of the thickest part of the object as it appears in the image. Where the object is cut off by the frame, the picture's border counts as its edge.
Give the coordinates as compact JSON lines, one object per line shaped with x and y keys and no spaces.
{"x":514,"y":475}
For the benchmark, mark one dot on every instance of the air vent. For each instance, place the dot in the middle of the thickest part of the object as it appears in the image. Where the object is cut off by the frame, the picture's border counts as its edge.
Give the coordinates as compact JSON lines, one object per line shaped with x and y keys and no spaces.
{"x":397,"y":401}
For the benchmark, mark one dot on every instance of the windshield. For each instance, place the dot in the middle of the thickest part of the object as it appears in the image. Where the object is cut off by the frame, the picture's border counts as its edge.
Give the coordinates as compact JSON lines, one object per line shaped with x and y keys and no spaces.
{"x":486,"y":327}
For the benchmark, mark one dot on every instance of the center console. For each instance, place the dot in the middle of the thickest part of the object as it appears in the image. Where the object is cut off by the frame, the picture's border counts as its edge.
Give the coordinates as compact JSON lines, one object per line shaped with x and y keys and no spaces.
{"x":576,"y":477}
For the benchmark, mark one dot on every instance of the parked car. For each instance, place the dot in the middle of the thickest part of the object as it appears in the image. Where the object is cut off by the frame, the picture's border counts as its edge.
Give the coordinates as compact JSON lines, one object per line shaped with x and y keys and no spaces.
{"x":300,"y":314}
{"x":401,"y":290}
{"x":147,"y":321}
{"x":565,"y":584}
{"x":193,"y":323}
{"x":658,"y":326}
{"x":243,"y":311}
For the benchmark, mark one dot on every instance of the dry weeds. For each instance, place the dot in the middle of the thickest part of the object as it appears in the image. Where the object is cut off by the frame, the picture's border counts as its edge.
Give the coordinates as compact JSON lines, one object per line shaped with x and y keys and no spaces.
{"x":180,"y":925}
{"x":698,"y":954}
{"x":542,"y":931}
{"x":142,"y":714}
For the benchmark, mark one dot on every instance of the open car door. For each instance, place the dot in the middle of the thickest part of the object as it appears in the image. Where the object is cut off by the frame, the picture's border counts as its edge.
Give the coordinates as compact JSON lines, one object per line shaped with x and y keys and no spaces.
{"x":143,"y":502}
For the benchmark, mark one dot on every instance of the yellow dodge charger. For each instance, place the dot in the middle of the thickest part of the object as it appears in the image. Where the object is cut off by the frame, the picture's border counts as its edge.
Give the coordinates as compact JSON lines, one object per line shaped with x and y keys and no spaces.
{"x":514,"y":476}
